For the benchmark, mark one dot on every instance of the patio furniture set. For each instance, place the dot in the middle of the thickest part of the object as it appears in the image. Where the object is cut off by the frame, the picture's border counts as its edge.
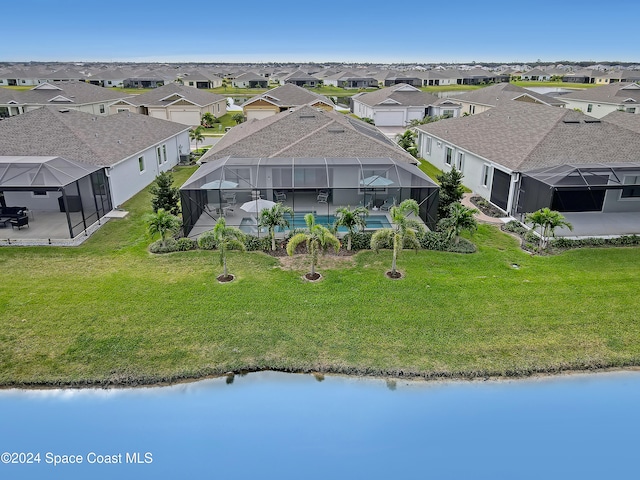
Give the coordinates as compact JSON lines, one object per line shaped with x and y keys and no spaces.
{"x":17,"y":217}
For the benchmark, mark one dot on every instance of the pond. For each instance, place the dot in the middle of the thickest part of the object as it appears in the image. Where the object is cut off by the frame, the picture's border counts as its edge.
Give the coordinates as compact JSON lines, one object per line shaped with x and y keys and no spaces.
{"x":274,"y":425}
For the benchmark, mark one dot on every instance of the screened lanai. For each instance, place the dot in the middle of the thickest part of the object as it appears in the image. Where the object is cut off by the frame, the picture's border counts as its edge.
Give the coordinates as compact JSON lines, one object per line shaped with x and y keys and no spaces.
{"x":62,"y":198}
{"x":581,"y":188}
{"x":316,"y":185}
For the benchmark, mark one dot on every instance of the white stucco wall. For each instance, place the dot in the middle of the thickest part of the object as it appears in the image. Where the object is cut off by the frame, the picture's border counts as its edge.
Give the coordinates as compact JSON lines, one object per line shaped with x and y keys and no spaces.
{"x":598,"y":110}
{"x":613,"y":201}
{"x":125,"y":178}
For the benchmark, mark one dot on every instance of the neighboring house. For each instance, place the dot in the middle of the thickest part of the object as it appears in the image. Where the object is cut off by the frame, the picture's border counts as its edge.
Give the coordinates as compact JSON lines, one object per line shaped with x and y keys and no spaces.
{"x":146,"y":79}
{"x":107,"y":77}
{"x":624,"y":119}
{"x":175,"y":103}
{"x":74,"y":95}
{"x":483,"y":99}
{"x":442,"y":77}
{"x":200,"y":79}
{"x":580,"y":76}
{"x":480,"y":76}
{"x":522,"y":157}
{"x":250,"y":80}
{"x":301,"y":79}
{"x":603,"y":100}
{"x":398,"y":105}
{"x":351,"y":80}
{"x":404,"y":78}
{"x":133,"y":148}
{"x":536,"y":75}
{"x":312,"y":160}
{"x":281,"y":99}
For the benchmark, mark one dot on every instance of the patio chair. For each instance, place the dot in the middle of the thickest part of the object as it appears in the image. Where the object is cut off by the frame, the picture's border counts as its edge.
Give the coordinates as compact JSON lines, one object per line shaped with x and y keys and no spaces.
{"x":20,"y":222}
{"x":281,"y":196}
{"x":388,"y":203}
{"x":366,"y":202}
{"x":323,"y":197}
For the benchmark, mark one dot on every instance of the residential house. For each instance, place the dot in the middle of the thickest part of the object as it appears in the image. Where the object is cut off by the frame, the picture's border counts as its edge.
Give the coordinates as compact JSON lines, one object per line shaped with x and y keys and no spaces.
{"x":281,"y":99}
{"x":73,"y":95}
{"x":133,"y":148}
{"x":398,"y":105}
{"x":350,"y":80}
{"x":199,"y":79}
{"x":175,"y":103}
{"x":301,"y":79}
{"x":310,"y":159}
{"x":250,"y":80}
{"x":522,"y":157}
{"x":599,"y":101}
{"x":536,"y":75}
{"x":481,"y":100}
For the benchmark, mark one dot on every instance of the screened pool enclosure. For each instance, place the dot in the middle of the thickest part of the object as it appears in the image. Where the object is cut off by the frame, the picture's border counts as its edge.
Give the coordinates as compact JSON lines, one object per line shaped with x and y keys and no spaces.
{"x":238,"y":189}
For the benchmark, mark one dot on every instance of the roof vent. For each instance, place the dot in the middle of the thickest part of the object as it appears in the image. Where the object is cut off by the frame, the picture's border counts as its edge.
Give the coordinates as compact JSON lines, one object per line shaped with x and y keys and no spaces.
{"x":570,"y":121}
{"x":64,"y":110}
{"x":336,"y":130}
{"x":594,"y":120}
{"x":307,"y":116}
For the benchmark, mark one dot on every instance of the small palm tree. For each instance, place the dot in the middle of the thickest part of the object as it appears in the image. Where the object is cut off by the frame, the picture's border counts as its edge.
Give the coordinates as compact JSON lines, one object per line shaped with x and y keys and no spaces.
{"x":548,"y":220}
{"x":163,"y":223}
{"x":275,"y":217}
{"x":407,"y":141}
{"x":196,"y":134}
{"x":227,"y":238}
{"x":208,"y":119}
{"x":316,"y":237}
{"x":351,"y":220}
{"x":404,"y":230}
{"x":460,"y":218}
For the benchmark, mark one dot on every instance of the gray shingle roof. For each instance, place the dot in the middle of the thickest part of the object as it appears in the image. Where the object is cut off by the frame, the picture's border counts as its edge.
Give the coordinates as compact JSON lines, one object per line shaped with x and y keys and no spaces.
{"x":615,"y":93}
{"x":306,"y":132}
{"x":79,"y":93}
{"x":626,"y":120}
{"x":523,"y":136}
{"x":495,"y":94}
{"x":290,"y":95}
{"x":79,"y":136}
{"x":155,"y":97}
{"x":402,"y":93}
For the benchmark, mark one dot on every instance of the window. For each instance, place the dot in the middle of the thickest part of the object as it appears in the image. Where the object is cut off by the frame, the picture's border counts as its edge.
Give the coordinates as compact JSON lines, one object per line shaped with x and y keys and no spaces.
{"x":460,"y":161}
{"x":472,"y":109}
{"x":589,"y":108}
{"x":191,"y":84}
{"x":123,"y":110}
{"x":448,"y":154}
{"x":39,"y":193}
{"x":218,"y":108}
{"x":427,"y":145}
{"x":447,"y":113}
{"x":631,"y":110}
{"x":164,"y":154}
{"x":158,"y":155}
{"x":486,"y":169}
{"x":102,"y":108}
{"x":109,"y":82}
{"x":634,"y":191}
{"x":141,"y":164}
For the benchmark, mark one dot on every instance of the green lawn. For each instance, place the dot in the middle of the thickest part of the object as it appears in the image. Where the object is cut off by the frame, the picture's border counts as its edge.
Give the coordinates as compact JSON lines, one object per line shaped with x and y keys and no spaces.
{"x":108,"y":311}
{"x":225,"y":121}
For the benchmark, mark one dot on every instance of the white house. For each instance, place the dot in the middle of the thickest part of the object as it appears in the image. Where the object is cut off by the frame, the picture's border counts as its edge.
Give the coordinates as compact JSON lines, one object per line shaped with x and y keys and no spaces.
{"x":600,"y":101}
{"x":133,"y":148}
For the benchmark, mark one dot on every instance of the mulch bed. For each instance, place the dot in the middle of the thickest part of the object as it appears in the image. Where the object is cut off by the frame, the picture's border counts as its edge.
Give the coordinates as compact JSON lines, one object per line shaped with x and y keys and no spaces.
{"x":486,"y":208}
{"x":223,"y":279}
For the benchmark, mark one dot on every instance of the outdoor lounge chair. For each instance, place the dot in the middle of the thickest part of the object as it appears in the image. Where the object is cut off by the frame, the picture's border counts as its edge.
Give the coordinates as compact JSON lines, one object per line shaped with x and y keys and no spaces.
{"x":20,"y":222}
{"x":323,"y":197}
{"x":281,"y":196}
{"x":388,"y":203}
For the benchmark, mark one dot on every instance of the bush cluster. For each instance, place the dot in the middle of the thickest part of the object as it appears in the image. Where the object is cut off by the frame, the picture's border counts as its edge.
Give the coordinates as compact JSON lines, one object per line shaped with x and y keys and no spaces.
{"x":516,"y":227}
{"x":623,"y":241}
{"x":253,"y":243}
{"x":170,"y":246}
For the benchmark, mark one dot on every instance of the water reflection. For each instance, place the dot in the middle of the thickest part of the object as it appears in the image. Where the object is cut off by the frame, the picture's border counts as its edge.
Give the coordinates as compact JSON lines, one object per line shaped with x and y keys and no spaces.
{"x":273,"y":425}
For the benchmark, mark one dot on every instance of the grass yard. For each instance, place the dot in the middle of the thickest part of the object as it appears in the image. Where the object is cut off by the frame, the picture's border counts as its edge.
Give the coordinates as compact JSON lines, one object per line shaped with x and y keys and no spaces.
{"x":225,"y":121}
{"x":110,"y":312}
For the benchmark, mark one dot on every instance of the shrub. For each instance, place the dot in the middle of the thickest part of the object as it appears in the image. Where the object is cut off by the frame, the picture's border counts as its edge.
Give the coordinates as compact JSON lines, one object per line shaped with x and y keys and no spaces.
{"x":516,"y":227}
{"x":360,"y":240}
{"x":157,"y":247}
{"x":253,"y":243}
{"x":625,"y":240}
{"x":207,"y":241}
{"x":185,"y":244}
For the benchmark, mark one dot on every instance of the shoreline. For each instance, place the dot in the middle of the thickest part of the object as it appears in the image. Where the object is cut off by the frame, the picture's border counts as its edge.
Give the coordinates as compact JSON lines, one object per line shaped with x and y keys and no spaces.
{"x":151,"y":382}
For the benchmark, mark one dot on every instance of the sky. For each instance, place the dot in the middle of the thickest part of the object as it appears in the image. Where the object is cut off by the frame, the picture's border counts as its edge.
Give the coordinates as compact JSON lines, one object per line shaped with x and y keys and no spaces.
{"x":459,"y":31}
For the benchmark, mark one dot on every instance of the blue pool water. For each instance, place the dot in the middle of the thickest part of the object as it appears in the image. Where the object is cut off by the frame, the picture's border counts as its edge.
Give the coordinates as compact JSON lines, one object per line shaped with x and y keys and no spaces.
{"x":373,"y":221}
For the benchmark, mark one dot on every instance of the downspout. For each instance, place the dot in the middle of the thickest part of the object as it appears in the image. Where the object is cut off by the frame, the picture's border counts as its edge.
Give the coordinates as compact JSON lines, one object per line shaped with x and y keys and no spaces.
{"x":514,"y":189}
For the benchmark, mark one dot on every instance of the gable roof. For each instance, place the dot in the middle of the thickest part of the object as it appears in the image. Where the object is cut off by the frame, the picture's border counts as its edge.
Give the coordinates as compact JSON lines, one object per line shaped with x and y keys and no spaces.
{"x":523,"y":136}
{"x":503,"y":92}
{"x":167,"y":94}
{"x":289,"y":95}
{"x":306,"y":132}
{"x":78,"y":93}
{"x":626,"y":120}
{"x":400,"y":94}
{"x":615,"y":93}
{"x":82,"y":137}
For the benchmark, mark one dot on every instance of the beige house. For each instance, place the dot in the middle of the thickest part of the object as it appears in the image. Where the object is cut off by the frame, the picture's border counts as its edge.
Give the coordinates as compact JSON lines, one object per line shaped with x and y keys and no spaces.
{"x":281,"y":99}
{"x":174,"y":102}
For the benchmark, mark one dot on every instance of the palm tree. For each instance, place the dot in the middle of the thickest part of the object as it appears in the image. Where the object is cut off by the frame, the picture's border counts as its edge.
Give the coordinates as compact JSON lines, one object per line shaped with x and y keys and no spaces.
{"x":352,"y":220}
{"x":196,"y":134}
{"x":208,"y":119}
{"x":227,"y":238}
{"x":407,"y":141}
{"x":275,"y":217}
{"x":316,"y":237}
{"x":404,"y":230}
{"x":548,"y":220}
{"x":163,"y":223}
{"x":460,"y":218}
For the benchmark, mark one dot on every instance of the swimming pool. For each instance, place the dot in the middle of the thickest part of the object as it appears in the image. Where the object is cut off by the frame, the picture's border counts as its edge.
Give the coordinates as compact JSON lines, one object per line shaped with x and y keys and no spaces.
{"x":373,"y":221}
